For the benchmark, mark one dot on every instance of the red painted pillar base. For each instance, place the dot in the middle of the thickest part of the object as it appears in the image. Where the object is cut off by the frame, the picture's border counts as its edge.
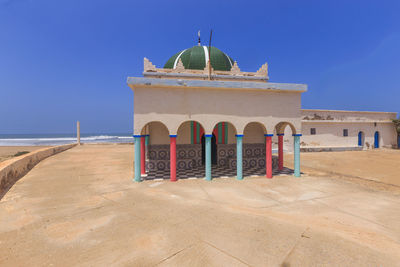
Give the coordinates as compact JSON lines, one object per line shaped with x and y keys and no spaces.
{"x":280,"y":151}
{"x":143,"y":154}
{"x":268,"y":155}
{"x":172,"y":158}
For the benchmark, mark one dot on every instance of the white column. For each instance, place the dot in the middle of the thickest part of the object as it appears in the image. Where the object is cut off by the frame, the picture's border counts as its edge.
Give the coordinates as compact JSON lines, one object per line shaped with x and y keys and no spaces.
{"x":78,"y":132}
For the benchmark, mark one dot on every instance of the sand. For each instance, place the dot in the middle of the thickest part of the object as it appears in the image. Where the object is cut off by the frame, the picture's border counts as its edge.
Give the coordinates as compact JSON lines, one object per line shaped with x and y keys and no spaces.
{"x":7,"y":152}
{"x":80,"y":207}
{"x":381,"y":166}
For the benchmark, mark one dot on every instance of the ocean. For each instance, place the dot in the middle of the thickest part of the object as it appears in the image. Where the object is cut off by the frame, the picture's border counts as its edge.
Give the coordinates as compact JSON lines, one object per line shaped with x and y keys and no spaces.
{"x":61,"y":139}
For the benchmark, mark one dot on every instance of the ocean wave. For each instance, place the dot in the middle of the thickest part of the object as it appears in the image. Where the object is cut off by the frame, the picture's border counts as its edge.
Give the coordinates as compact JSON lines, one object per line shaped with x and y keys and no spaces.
{"x":66,"y":138}
{"x":63,"y":140}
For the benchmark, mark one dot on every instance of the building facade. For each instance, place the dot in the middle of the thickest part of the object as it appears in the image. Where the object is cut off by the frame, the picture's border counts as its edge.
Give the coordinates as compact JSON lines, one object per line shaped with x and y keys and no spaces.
{"x":348,"y":129}
{"x":201,"y":116}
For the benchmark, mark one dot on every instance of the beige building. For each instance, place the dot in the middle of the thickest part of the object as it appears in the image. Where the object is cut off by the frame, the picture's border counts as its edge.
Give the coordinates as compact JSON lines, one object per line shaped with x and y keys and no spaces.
{"x":348,"y":129}
{"x":201,"y":116}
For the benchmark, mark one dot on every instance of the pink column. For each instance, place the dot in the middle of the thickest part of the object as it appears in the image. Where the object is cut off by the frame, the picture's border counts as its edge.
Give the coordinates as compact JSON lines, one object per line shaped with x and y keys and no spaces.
{"x":143,"y":154}
{"x":172,"y":158}
{"x":280,"y":151}
{"x":268,"y":155}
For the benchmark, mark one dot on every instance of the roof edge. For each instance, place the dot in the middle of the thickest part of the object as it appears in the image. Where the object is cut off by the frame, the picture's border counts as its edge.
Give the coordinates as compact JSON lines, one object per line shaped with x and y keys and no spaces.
{"x":349,"y":111}
{"x":183,"y":83}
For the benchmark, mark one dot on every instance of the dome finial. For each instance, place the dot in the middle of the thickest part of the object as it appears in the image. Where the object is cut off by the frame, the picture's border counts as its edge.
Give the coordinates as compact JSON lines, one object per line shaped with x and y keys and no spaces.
{"x":199,"y":43}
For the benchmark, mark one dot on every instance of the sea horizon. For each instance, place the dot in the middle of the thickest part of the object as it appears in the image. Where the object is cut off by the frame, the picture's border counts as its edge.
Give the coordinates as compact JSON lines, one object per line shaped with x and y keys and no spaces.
{"x":46,"y":139}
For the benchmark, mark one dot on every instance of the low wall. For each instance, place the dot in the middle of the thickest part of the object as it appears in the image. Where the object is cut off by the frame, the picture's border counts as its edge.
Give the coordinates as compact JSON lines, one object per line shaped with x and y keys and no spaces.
{"x":16,"y":168}
{"x":330,"y":148}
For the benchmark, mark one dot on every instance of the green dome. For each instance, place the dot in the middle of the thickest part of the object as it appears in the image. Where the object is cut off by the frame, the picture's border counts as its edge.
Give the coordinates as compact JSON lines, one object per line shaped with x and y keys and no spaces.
{"x":197,"y":56}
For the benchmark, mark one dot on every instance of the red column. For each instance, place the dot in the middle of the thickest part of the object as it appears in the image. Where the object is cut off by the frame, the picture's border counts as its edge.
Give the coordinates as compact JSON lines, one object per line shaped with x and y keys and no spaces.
{"x":172,"y":158}
{"x":280,"y":151}
{"x":268,"y":155}
{"x":143,"y":154}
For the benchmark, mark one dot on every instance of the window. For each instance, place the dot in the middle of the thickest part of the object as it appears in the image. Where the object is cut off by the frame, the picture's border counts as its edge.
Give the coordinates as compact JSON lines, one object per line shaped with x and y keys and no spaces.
{"x":313,"y":131}
{"x":345,"y":132}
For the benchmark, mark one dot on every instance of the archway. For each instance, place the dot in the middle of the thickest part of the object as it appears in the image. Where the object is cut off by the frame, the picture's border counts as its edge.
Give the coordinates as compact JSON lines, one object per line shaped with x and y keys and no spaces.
{"x":376,"y":139}
{"x":154,"y":151}
{"x":254,"y":149}
{"x":219,"y":151}
{"x":361,"y":138}
{"x":189,"y":150}
{"x":289,"y":140}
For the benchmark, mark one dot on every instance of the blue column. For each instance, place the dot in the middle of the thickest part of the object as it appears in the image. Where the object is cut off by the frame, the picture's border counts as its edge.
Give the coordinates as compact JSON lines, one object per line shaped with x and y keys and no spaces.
{"x":239,"y":156}
{"x":296,"y":138}
{"x":208,"y":156}
{"x":137,"y":158}
{"x":398,"y":141}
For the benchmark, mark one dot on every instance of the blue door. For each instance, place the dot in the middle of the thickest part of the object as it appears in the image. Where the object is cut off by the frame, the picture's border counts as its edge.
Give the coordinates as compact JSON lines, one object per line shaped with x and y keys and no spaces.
{"x":376,"y":144}
{"x":360,"y":139}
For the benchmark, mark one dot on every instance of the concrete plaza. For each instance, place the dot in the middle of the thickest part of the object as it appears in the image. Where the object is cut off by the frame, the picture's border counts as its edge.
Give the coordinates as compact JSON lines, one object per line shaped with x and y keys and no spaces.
{"x":80,"y":207}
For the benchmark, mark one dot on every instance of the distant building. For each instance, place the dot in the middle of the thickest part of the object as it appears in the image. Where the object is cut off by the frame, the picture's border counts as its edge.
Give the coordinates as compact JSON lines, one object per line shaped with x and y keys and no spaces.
{"x":351,"y":130}
{"x":196,"y":120}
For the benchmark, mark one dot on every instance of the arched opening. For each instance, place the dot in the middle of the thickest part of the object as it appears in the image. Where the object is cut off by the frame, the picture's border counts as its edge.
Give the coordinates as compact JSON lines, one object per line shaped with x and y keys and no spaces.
{"x":254,"y":149}
{"x":361,"y":138}
{"x":155,"y":140}
{"x":284,"y":139}
{"x":189,"y":150}
{"x":282,"y":128}
{"x":223,"y":150}
{"x":376,"y":139}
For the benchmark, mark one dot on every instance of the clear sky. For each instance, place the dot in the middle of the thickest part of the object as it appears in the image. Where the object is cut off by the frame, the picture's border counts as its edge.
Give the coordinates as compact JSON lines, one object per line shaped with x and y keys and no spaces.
{"x":62,"y":61}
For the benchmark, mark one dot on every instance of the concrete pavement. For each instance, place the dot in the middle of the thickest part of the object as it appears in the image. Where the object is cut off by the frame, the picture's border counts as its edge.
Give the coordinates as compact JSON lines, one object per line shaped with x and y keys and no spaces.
{"x":80,"y":207}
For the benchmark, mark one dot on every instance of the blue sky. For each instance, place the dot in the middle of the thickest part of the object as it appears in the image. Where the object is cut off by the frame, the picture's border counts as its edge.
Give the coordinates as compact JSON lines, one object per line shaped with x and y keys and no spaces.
{"x":62,"y":61}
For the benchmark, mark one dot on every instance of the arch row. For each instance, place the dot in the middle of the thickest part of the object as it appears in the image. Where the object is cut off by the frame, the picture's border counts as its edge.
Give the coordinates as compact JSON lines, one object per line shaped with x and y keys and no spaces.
{"x":190,"y":146}
{"x":268,"y":128}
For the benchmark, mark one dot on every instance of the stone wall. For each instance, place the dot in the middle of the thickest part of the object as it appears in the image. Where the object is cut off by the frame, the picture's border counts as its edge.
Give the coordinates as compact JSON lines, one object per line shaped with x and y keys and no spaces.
{"x":12,"y":170}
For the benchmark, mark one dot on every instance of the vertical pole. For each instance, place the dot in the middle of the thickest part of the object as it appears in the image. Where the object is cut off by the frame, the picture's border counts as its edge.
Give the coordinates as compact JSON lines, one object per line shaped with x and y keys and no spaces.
{"x":280,"y":151}
{"x":208,"y":156}
{"x":223,"y":133}
{"x":268,"y":155}
{"x":194,"y":134}
{"x":191,"y":132}
{"x":172,"y":158}
{"x":78,"y":132}
{"x":146,"y":142}
{"x":297,"y":155}
{"x":220,"y":133}
{"x":137,"y":157}
{"x":198,"y":135}
{"x":226,"y":133}
{"x":398,"y":141}
{"x":239,"y":156}
{"x":143,"y":154}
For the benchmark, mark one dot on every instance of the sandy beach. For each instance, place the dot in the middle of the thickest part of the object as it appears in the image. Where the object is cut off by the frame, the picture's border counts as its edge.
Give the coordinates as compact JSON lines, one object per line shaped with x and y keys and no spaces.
{"x":89,"y":212}
{"x":8,"y":152}
{"x":380,"y":166}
